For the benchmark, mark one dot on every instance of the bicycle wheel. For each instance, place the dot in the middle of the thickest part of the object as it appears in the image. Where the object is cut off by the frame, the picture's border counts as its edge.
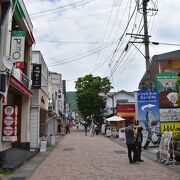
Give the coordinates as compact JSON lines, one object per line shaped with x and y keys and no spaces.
{"x":146,"y":145}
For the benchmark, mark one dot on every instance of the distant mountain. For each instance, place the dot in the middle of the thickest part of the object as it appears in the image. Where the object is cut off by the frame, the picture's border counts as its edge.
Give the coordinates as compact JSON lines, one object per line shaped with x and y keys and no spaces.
{"x":71,"y":99}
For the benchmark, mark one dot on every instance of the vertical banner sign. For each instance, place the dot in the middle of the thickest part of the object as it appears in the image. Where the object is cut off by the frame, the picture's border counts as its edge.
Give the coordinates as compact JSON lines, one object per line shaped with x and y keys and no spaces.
{"x":148,"y":110}
{"x":36,"y":76}
{"x":167,"y":85}
{"x":17,"y":48}
{"x":9,"y":125}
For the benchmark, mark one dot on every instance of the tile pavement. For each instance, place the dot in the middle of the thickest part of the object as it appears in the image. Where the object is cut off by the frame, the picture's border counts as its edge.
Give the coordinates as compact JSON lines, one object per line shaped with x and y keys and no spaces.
{"x":80,"y":157}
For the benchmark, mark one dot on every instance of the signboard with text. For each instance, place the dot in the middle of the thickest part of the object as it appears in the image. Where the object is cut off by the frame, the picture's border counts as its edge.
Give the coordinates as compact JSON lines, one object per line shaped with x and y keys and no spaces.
{"x":9,"y":126}
{"x":36,"y":76}
{"x":148,"y":109}
{"x":167,"y":88}
{"x":125,"y":107}
{"x":17,"y":48}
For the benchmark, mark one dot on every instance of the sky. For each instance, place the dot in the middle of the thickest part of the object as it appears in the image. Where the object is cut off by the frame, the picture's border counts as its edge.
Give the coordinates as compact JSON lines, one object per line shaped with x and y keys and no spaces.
{"x":80,"y":37}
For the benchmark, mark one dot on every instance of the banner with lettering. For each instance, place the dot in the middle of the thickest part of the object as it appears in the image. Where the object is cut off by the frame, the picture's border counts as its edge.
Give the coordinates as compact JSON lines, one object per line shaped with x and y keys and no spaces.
{"x":17,"y":48}
{"x":148,"y":110}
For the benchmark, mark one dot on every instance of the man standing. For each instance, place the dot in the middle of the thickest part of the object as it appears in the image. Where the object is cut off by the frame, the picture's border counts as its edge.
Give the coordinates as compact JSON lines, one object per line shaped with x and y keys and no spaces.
{"x":130,"y":142}
{"x":139,"y":139}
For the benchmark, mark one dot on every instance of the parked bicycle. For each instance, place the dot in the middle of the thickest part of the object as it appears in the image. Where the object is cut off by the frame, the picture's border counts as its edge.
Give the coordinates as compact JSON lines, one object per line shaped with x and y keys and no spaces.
{"x":150,"y":139}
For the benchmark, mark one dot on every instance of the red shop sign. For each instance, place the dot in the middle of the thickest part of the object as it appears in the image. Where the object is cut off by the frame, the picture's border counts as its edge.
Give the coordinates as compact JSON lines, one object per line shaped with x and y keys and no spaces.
{"x":125,"y":107}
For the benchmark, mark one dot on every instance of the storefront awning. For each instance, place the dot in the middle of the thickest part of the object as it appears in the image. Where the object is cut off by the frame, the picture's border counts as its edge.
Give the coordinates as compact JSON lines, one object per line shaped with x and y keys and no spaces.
{"x":16,"y":84}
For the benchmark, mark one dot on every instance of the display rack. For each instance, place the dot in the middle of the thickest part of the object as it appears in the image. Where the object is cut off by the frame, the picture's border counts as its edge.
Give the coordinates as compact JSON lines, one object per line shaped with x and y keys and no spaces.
{"x":166,"y":153}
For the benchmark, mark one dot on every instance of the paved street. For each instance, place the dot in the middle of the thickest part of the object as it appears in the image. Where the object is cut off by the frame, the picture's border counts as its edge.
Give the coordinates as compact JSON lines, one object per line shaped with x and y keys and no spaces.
{"x":80,"y":157}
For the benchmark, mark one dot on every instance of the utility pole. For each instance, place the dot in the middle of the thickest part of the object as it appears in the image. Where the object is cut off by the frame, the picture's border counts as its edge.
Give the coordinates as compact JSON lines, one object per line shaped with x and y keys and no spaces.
{"x":146,"y":42}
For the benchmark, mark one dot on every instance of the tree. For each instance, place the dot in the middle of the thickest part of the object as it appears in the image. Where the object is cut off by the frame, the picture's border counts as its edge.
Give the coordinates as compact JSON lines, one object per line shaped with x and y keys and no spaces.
{"x":89,"y":101}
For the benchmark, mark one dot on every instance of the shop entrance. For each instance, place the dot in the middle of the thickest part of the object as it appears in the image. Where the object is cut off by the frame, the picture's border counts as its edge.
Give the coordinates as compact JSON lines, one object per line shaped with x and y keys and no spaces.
{"x":42,"y":127}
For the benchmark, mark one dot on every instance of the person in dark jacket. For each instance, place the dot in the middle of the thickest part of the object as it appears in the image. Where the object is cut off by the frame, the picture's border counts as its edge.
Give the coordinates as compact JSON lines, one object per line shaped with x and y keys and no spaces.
{"x":85,"y":129}
{"x":130,"y":142}
{"x":139,"y":139}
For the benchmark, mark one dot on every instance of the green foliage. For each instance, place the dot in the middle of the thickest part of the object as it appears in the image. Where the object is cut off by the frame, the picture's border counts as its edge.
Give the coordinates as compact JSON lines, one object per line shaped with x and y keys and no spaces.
{"x":72,"y":100}
{"x":88,"y":99}
{"x":5,"y":172}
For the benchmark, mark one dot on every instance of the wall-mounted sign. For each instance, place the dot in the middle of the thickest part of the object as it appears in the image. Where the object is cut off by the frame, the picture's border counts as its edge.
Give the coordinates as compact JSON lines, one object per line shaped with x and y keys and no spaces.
{"x":125,"y":107}
{"x":167,"y":88}
{"x":17,"y":48}
{"x":36,"y":76}
{"x":9,"y":127}
{"x":173,"y":127}
{"x":170,"y":115}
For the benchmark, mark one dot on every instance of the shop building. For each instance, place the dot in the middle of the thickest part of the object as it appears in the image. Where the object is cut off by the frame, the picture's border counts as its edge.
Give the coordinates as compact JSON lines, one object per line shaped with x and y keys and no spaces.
{"x":164,"y":72}
{"x":166,"y":62}
{"x":56,"y":104}
{"x":16,"y":41}
{"x":39,"y":101}
{"x":113,"y":99}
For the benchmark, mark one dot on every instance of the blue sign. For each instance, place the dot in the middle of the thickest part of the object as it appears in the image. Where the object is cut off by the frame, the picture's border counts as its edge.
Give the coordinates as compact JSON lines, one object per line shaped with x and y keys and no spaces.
{"x":148,"y":109}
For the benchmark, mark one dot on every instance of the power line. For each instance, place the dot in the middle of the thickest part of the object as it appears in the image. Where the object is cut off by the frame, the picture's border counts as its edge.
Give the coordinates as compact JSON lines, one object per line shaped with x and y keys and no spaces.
{"x":120,"y":22}
{"x":75,"y":17}
{"x":93,"y":52}
{"x":73,"y":42}
{"x":42,"y":15}
{"x":60,"y":7}
{"x":115,"y":51}
{"x":109,"y":19}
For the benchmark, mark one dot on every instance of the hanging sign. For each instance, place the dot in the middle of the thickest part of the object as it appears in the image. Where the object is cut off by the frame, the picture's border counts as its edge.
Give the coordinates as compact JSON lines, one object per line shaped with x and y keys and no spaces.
{"x":9,"y":126}
{"x":36,"y":76}
{"x":17,"y":48}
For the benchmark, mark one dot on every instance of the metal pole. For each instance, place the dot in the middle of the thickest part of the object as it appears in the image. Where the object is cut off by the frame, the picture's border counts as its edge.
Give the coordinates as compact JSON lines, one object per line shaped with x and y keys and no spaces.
{"x":146,"y":41}
{"x":113,"y":104}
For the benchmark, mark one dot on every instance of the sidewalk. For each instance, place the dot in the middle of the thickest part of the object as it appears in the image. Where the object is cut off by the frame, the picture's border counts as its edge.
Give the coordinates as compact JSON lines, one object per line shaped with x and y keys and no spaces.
{"x":96,"y":158}
{"x":150,"y":153}
{"x":26,"y":166}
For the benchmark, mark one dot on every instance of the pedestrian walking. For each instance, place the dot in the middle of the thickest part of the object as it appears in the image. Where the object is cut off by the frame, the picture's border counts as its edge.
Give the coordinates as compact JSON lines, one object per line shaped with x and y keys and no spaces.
{"x":67,"y":129}
{"x":139,"y":139}
{"x":130,"y":142}
{"x":77,"y":126}
{"x":85,"y":129}
{"x":92,"y":131}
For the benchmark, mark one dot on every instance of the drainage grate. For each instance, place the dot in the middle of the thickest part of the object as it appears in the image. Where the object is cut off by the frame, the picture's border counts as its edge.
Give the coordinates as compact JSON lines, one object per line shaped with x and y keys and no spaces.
{"x":17,"y":178}
{"x":120,"y":152}
{"x":68,"y":149}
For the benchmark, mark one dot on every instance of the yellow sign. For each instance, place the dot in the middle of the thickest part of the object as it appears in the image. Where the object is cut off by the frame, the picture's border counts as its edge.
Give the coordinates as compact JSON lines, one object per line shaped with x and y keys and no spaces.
{"x":171,"y":126}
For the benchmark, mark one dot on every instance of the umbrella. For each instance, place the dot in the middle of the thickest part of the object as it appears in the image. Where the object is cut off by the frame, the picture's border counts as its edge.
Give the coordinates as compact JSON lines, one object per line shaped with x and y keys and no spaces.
{"x":115,"y":118}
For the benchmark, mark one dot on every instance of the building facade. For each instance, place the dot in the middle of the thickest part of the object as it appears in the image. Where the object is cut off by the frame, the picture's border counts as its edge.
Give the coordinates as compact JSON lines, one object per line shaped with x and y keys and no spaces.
{"x":39,"y":102}
{"x":56,"y":103}
{"x":16,"y":41}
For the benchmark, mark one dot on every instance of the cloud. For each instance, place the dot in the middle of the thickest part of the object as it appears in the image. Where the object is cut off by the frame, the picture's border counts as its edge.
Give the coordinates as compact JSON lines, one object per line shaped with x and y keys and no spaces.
{"x":94,"y":22}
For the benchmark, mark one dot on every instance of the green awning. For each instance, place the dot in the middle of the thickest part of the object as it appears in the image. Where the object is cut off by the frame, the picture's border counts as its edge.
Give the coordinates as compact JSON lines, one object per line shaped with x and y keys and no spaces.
{"x":18,"y":10}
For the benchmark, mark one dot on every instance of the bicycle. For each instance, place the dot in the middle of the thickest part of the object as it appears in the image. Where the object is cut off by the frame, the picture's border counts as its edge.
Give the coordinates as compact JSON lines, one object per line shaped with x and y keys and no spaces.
{"x":149,"y":139}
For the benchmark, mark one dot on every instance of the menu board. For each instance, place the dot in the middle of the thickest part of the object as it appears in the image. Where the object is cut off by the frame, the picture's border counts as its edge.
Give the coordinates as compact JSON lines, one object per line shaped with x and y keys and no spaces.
{"x":164,"y":145}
